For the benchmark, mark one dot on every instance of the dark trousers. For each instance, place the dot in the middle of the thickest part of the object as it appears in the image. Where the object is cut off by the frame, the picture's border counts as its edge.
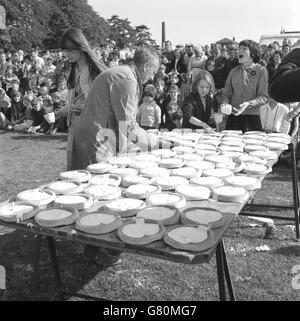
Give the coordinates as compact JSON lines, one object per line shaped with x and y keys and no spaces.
{"x":244,"y":122}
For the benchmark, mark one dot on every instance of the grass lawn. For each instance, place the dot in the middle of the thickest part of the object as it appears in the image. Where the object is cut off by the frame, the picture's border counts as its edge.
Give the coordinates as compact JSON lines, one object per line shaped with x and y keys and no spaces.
{"x":27,"y":161}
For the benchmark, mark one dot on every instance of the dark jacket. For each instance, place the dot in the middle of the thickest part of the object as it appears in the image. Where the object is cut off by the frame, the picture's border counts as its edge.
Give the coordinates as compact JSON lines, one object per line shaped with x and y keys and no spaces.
{"x":192,"y":106}
{"x":284,"y":86}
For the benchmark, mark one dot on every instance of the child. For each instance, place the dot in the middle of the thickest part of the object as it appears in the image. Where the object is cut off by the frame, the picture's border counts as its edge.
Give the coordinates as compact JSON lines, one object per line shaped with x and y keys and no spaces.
{"x":18,"y":111}
{"x":5,"y":109}
{"x":9,"y":78}
{"x":37,"y":113}
{"x":149,"y":114}
{"x":60,"y":114}
{"x":173,"y":116}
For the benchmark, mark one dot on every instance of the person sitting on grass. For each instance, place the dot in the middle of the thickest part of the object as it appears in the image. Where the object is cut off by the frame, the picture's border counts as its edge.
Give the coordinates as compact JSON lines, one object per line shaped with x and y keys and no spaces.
{"x":60,"y":114}
{"x":37,"y":113}
{"x":5,"y":109}
{"x":148,"y":115}
{"x":18,"y":111}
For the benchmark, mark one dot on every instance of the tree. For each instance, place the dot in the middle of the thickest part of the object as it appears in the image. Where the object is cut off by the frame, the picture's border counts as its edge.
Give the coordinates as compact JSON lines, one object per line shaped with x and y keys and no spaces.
{"x":121,"y":31}
{"x":143,"y":35}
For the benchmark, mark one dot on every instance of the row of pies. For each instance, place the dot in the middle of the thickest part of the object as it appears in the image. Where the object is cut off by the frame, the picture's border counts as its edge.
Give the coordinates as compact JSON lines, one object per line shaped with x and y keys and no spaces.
{"x":193,"y":234}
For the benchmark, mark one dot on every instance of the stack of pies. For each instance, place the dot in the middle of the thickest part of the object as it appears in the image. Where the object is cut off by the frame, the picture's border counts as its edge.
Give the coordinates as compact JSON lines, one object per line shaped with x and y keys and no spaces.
{"x":278,"y":139}
{"x":125,"y":207}
{"x":170,"y":182}
{"x":208,"y":181}
{"x":100,"y":168}
{"x":248,"y":182}
{"x":256,"y":169}
{"x":135,"y":179}
{"x":65,"y":187}
{"x":186,"y":172}
{"x":123,"y":171}
{"x":251,"y":141}
{"x":142,"y":191}
{"x":37,"y":197}
{"x":98,"y":223}
{"x":171,"y":163}
{"x":120,"y":161}
{"x":76,"y":201}
{"x":255,"y":133}
{"x":203,"y":216}
{"x":189,"y":237}
{"x":16,"y":211}
{"x":77,"y":175}
{"x":193,"y":192}
{"x":166,"y":215}
{"x":163,"y":153}
{"x":141,"y":232}
{"x":154,"y":172}
{"x":230,"y":194}
{"x":279,"y":135}
{"x":103,"y":192}
{"x":53,"y":217}
{"x":233,"y":142}
{"x":218,"y":172}
{"x":166,"y":198}
{"x":106,"y":179}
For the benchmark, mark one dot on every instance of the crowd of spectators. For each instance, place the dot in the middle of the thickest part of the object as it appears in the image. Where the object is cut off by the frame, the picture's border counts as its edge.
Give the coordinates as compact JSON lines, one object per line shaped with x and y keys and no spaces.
{"x":33,"y":93}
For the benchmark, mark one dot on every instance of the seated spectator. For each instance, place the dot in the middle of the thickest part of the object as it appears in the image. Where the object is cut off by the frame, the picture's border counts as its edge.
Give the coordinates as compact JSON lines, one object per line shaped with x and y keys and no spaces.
{"x":28,"y":99}
{"x":24,"y":77}
{"x":172,"y":114}
{"x":8,"y":78}
{"x":18,"y":111}
{"x":5,"y":109}
{"x":33,"y":78}
{"x":36,"y":61}
{"x":47,"y":71}
{"x":199,"y":106}
{"x":149,"y":114}
{"x":37,"y":113}
{"x":60,"y":112}
{"x":114,"y":59}
{"x":15,"y":88}
{"x":62,"y":89}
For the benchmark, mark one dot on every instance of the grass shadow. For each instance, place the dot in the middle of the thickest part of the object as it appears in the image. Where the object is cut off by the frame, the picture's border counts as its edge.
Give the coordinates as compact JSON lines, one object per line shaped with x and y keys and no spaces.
{"x":41,"y":137}
{"x":17,"y":256}
{"x":292,"y":250}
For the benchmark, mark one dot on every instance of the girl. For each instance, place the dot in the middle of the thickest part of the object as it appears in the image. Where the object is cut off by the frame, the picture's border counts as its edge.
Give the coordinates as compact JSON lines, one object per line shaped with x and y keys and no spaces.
{"x":199,"y":106}
{"x":85,"y":67}
{"x":173,"y":114}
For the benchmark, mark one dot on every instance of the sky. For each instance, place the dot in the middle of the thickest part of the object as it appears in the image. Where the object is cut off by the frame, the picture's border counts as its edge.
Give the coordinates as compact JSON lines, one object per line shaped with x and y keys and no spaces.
{"x":205,"y":21}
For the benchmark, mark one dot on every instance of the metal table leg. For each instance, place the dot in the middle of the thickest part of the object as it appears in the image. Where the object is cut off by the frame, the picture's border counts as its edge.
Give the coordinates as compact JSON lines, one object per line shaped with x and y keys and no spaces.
{"x":295,"y":189}
{"x":36,"y":267}
{"x":227,"y":273}
{"x":55,"y":266}
{"x":220,"y":272}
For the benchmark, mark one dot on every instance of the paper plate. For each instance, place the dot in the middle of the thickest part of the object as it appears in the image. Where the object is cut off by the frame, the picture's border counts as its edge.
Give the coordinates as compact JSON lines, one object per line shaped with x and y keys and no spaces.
{"x":120,"y":161}
{"x":163,"y":153}
{"x":136,"y":179}
{"x":171,"y":162}
{"x":218,"y":172}
{"x":257,"y":169}
{"x":193,"y":192}
{"x":170,"y":182}
{"x":186,"y":172}
{"x":208,"y":181}
{"x":146,"y":158}
{"x":142,"y":164}
{"x":154,"y":172}
{"x":191,"y":157}
{"x":230,"y":194}
{"x":248,"y":182}
{"x":123,"y":171}
{"x":103,"y":192}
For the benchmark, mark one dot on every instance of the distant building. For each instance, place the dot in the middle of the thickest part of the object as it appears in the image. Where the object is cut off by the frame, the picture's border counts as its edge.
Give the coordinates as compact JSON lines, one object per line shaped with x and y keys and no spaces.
{"x":293,"y":36}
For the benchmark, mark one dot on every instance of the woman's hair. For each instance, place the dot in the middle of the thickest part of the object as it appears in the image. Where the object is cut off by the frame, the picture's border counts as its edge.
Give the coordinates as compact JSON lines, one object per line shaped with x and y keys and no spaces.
{"x":254,"y":49}
{"x":206,"y":76}
{"x":174,"y":87}
{"x":208,"y":60}
{"x":73,"y":38}
{"x":150,"y":91}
